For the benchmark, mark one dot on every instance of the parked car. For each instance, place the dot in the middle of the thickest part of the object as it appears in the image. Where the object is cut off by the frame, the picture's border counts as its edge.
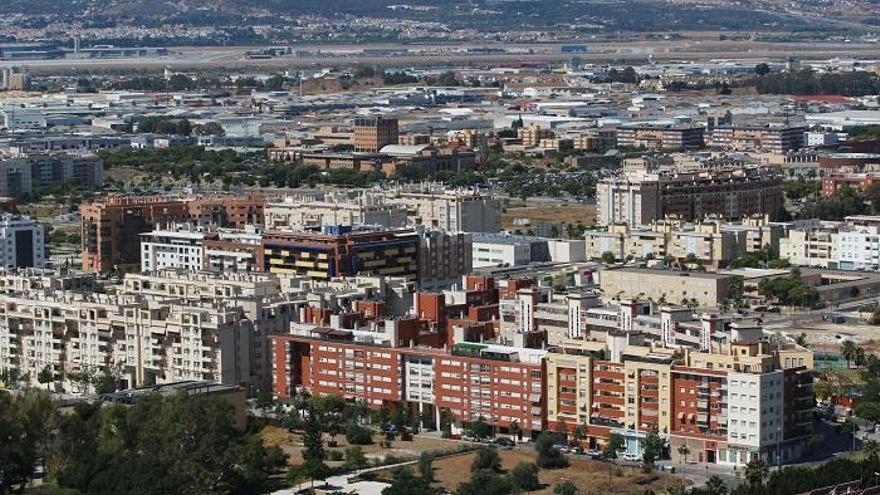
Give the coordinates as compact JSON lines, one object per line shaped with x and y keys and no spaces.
{"x":505,"y":442}
{"x":592,"y":453}
{"x":577,"y":451}
{"x":562,"y":448}
{"x":632,"y":457}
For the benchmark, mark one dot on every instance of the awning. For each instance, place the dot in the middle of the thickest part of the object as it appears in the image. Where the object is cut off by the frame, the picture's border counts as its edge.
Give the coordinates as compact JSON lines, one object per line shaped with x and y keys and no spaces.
{"x":681,"y":415}
{"x":691,"y":417}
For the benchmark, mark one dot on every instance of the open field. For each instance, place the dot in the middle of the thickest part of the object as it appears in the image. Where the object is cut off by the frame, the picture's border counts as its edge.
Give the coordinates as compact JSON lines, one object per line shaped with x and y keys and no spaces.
{"x":564,"y":214}
{"x":592,"y":477}
{"x":291,"y":444}
{"x":829,"y":336}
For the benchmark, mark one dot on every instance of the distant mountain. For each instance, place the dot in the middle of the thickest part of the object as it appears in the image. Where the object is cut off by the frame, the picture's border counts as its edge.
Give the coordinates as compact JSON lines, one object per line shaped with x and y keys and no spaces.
{"x":484,"y":15}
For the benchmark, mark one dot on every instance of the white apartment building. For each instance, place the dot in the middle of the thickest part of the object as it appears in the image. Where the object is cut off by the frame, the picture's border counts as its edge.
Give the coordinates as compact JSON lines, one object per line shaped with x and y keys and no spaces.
{"x":319,"y":210}
{"x":488,"y":252}
{"x":755,"y":406}
{"x":22,"y":242}
{"x":178,"y":247}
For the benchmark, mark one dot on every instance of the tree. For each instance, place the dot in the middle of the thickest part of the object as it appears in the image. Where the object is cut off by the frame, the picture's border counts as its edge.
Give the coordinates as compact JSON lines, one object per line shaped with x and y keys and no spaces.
{"x":480,"y":428}
{"x":180,"y":443}
{"x":872,"y":449}
{"x":549,"y":457}
{"x":715,"y":486}
{"x":315,"y":469}
{"x":426,"y":466}
{"x":652,"y":449}
{"x":487,"y":458}
{"x":355,"y":458}
{"x":524,"y":477}
{"x":403,"y":482}
{"x":848,"y":350}
{"x":313,"y":437}
{"x":358,"y":435}
{"x":579,"y":433}
{"x":609,"y":258}
{"x":762,"y":69}
{"x":45,"y":376}
{"x":614,"y":444}
{"x":210,"y":129}
{"x":755,"y":473}
{"x":684,"y":451}
{"x":566,"y":488}
{"x":25,"y":424}
{"x":485,"y":482}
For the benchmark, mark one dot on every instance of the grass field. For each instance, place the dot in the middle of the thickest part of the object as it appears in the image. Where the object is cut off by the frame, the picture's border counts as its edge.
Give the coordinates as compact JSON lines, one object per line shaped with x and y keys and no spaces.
{"x":592,"y":477}
{"x":563,"y":214}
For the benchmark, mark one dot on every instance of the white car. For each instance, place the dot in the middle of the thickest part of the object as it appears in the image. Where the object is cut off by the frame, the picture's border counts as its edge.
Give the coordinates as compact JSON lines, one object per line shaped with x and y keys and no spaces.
{"x":632,"y":457}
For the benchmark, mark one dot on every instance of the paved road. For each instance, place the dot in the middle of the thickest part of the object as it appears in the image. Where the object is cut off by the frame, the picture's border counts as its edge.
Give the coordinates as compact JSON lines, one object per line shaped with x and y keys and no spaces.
{"x":344,"y":482}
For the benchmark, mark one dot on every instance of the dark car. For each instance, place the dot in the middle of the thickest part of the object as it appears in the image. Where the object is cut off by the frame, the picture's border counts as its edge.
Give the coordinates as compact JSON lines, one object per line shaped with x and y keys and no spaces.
{"x":505,"y":442}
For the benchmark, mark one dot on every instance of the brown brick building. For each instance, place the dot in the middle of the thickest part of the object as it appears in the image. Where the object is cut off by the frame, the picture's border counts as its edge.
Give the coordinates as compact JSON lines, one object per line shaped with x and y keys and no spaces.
{"x":373,"y":133}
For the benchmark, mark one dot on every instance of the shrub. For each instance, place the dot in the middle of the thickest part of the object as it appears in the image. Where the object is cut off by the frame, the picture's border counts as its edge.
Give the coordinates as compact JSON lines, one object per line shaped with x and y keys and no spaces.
{"x":358,"y":435}
{"x":334,"y":455}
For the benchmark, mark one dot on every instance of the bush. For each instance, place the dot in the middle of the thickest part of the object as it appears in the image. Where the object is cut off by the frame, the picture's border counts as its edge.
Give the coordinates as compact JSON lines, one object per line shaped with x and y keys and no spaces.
{"x":334,"y":455}
{"x":358,"y":435}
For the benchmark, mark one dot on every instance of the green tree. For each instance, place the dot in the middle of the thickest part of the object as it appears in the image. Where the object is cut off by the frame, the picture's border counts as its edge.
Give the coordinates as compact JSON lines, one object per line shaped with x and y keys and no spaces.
{"x":566,"y":488}
{"x":46,"y":376}
{"x":609,"y":258}
{"x":614,"y":444}
{"x":426,"y":466}
{"x":755,"y":473}
{"x":715,"y":486}
{"x":487,"y":458}
{"x":684,"y":451}
{"x":762,"y":69}
{"x":355,"y":458}
{"x":403,"y":482}
{"x":524,"y":477}
{"x":313,"y":437}
{"x":872,"y":449}
{"x":652,"y":447}
{"x":182,"y":443}
{"x":849,"y":350}
{"x":549,"y":457}
{"x":26,"y":421}
{"x":485,"y":482}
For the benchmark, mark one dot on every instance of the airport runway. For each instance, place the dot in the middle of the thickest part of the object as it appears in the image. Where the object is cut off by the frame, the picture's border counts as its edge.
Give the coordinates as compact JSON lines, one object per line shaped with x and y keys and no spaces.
{"x":316,"y":56}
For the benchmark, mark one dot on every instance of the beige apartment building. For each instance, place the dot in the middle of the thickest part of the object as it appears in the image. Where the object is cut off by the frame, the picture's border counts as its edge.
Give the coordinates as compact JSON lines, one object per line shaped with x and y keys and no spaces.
{"x":712,"y":242}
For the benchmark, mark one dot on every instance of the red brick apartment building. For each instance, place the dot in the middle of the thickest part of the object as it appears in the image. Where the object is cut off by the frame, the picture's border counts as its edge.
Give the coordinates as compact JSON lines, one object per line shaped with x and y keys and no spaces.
{"x":861,"y":182}
{"x":111,"y":228}
{"x":470,"y":381}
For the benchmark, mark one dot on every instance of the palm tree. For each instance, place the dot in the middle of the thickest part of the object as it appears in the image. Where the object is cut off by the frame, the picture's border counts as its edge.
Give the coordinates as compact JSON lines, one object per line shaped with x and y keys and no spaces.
{"x":684,"y":451}
{"x":801,"y":340}
{"x":715,"y":486}
{"x":848,"y":350}
{"x":756,"y":471}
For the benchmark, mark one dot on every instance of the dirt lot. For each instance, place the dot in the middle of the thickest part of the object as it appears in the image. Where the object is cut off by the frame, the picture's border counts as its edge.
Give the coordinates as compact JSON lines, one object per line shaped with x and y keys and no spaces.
{"x":564,"y":214}
{"x":292,"y":444}
{"x":829,"y":336}
{"x":592,"y":477}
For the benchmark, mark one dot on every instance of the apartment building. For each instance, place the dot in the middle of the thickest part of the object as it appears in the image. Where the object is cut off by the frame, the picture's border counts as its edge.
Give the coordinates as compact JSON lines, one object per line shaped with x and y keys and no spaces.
{"x":24,"y":175}
{"x":853,"y":244}
{"x":162,"y":342}
{"x":770,"y":138}
{"x":660,"y":136}
{"x":470,"y":381}
{"x":371,"y":134}
{"x":443,"y":256}
{"x":860,"y":182}
{"x":730,"y":193}
{"x":319,"y":210}
{"x":712,"y":242}
{"x":453,"y":210}
{"x":22,"y":242}
{"x":111,"y":228}
{"x":339,"y":251}
{"x":179,"y":246}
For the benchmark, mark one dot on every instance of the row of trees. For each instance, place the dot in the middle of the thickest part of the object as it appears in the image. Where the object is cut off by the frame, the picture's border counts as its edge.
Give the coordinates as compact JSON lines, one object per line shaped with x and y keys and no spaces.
{"x":189,"y":444}
{"x":808,"y":82}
